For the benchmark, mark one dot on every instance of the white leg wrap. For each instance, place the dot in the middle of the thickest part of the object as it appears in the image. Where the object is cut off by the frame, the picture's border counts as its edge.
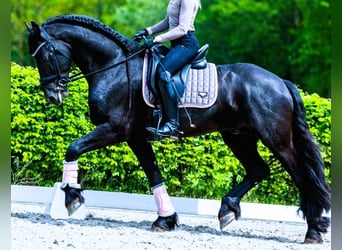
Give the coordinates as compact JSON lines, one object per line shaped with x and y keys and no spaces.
{"x":163,"y":201}
{"x":70,"y":172}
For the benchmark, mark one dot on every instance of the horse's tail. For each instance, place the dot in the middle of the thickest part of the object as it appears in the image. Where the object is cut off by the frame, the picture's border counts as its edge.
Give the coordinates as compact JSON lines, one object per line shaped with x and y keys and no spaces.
{"x":315,"y":195}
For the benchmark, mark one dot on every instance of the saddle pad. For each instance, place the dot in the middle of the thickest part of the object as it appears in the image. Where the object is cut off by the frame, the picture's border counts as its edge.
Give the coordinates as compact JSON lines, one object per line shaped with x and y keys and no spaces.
{"x":200,"y":88}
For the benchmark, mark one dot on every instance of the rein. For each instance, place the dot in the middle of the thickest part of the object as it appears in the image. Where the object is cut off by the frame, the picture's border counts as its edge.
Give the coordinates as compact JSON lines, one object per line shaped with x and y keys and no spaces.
{"x":79,"y":75}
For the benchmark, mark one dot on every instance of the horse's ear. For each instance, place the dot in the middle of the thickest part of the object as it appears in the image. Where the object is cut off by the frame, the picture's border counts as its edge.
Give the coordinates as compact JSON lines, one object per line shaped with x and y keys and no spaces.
{"x":28,"y":27}
{"x":35,"y":27}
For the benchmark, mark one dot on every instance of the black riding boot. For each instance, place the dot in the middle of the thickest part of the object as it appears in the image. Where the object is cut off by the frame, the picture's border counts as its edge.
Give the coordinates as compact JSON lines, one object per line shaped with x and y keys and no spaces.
{"x":171,"y":127}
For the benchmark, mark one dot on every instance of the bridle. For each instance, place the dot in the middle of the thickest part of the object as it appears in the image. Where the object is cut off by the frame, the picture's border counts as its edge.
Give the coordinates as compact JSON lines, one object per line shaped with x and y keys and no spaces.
{"x":61,"y":80}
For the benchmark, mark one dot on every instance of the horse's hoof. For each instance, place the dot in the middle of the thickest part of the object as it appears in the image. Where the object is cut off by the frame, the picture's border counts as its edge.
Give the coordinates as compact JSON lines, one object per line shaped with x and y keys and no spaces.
{"x":313,"y":241}
{"x":230,"y":210}
{"x":73,"y":206}
{"x":313,"y":237}
{"x":157,"y":229}
{"x":226,"y":220}
{"x":73,"y":197}
{"x":165,"y":224}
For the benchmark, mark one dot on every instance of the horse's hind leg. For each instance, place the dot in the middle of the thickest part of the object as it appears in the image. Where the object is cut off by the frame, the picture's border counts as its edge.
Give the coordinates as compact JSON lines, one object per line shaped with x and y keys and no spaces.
{"x":244,"y":148}
{"x":311,"y":186}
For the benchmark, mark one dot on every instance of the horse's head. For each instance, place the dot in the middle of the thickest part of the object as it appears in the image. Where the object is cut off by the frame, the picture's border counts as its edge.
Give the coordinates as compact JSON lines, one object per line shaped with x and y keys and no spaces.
{"x":53,"y":58}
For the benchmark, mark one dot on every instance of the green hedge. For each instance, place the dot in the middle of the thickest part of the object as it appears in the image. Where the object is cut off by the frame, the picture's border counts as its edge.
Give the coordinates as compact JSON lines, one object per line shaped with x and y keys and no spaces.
{"x":201,"y":167}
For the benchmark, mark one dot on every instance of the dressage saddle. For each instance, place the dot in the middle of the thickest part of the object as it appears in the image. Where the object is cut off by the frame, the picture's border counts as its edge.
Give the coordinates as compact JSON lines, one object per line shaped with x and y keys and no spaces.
{"x":157,"y":53}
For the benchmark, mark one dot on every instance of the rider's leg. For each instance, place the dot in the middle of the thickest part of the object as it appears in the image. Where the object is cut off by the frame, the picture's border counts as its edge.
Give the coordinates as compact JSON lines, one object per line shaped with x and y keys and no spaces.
{"x":169,"y":97}
{"x":181,"y":52}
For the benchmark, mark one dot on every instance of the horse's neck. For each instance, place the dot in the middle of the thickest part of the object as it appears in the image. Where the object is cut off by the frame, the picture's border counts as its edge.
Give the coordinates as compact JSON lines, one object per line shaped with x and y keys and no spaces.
{"x":90,"y":50}
{"x":92,"y":55}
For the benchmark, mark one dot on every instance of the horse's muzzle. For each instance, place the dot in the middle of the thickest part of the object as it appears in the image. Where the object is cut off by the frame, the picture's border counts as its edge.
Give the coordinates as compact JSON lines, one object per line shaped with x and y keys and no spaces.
{"x":54,"y":96}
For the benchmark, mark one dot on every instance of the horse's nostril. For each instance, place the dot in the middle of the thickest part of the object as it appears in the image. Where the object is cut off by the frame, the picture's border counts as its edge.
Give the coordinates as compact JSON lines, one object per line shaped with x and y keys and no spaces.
{"x":52,"y":99}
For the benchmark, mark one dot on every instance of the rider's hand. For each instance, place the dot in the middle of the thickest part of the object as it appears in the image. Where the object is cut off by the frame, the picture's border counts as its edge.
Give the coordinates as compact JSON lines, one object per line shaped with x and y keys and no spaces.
{"x":149,"y":42}
{"x":140,"y":35}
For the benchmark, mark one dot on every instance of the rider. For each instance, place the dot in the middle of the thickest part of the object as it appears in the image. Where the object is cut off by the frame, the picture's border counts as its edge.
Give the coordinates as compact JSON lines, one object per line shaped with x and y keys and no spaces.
{"x":179,"y":27}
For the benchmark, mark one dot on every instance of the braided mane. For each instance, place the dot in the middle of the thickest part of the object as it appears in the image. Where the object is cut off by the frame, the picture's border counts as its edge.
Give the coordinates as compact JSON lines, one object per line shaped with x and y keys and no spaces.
{"x":93,"y":24}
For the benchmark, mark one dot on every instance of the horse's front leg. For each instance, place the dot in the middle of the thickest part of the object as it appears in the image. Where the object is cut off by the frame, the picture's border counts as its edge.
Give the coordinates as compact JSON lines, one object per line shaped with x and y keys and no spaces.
{"x":167,"y":217}
{"x":102,"y":136}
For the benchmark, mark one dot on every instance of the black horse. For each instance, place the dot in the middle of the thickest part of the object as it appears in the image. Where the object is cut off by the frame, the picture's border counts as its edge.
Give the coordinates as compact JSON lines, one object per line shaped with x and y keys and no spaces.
{"x":252,"y":104}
